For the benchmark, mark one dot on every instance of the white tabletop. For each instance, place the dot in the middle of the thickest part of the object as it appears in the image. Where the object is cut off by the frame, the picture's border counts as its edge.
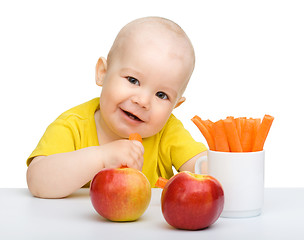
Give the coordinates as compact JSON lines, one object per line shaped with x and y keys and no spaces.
{"x":23,"y":216}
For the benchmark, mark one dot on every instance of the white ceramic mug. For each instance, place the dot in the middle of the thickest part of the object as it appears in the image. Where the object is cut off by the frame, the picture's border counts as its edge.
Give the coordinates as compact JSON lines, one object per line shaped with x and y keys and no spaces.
{"x":242,"y":177}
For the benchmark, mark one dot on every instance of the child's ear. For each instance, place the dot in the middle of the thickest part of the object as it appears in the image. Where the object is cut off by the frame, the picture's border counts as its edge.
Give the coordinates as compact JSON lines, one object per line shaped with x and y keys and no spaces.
{"x":180,"y":101}
{"x":100,"y":71}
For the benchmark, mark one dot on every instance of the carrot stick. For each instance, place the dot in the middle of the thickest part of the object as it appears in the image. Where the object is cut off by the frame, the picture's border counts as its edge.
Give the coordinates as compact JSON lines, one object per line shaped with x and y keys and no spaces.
{"x":232,"y":135}
{"x":238,"y":126}
{"x":257,"y":122}
{"x":247,"y":135}
{"x":220,"y":138}
{"x":233,"y":120}
{"x":208,"y":124}
{"x":161,"y":182}
{"x":135,"y":136}
{"x":262,"y":133}
{"x":205,"y":127}
{"x":209,"y":138}
{"x":243,"y":120}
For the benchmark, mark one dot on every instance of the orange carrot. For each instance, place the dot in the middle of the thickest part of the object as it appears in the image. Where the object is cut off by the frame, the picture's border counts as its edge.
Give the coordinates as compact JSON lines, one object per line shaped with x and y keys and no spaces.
{"x":135,"y":136}
{"x":209,"y":138}
{"x":161,"y":182}
{"x":220,"y":138}
{"x":208,"y":124}
{"x":262,"y":133}
{"x":232,"y":135}
{"x":257,"y":122}
{"x":230,"y":117}
{"x":247,"y":135}
{"x":238,"y":126}
{"x":243,"y":120}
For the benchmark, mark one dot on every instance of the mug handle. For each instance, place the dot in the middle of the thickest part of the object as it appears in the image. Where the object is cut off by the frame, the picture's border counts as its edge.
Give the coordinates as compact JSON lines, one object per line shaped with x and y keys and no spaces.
{"x":198,"y":164}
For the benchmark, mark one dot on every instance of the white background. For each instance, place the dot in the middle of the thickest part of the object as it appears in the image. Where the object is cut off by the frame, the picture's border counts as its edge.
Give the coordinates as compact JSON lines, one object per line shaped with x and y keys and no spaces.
{"x":249,"y":62}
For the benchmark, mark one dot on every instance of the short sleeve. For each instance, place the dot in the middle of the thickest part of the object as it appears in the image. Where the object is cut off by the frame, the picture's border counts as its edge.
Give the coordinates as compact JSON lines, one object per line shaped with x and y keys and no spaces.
{"x":58,"y":138}
{"x":177,"y":145}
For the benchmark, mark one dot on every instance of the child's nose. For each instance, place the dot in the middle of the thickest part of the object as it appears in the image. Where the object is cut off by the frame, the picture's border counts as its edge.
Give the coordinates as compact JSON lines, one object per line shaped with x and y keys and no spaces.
{"x":142,"y":100}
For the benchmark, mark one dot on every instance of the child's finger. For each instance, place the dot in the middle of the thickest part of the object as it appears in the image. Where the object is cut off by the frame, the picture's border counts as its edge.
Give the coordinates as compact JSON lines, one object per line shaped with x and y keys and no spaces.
{"x":139,"y":144}
{"x":136,"y":139}
{"x":134,"y":160}
{"x":138,"y":162}
{"x":136,"y":155}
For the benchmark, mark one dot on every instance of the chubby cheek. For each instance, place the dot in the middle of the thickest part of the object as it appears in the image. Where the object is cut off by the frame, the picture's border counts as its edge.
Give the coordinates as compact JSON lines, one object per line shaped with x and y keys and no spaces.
{"x":159,"y":117}
{"x":110,"y":96}
{"x":106,"y":100}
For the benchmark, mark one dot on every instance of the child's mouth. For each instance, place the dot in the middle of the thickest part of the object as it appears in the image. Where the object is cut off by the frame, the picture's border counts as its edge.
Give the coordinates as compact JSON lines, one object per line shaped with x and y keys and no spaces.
{"x":132,"y":116}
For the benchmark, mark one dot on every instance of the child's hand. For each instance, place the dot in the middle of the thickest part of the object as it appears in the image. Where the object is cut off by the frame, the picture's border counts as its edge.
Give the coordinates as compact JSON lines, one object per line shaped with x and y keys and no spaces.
{"x":128,"y":153}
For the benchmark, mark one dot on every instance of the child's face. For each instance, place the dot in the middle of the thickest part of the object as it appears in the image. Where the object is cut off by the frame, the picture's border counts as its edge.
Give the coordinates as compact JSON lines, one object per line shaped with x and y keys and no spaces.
{"x":142,"y":86}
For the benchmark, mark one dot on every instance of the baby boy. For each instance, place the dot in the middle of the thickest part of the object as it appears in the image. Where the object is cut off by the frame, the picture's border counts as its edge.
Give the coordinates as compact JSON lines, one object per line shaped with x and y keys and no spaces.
{"x":143,"y":79}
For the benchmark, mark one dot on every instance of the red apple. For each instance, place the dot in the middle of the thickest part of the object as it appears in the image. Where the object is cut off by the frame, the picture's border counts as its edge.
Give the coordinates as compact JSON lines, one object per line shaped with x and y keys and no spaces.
{"x":120,"y":194}
{"x":192,"y":201}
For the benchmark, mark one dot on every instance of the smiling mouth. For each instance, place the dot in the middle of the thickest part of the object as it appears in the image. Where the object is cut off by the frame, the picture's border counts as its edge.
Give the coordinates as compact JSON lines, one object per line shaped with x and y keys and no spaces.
{"x":132,"y":116}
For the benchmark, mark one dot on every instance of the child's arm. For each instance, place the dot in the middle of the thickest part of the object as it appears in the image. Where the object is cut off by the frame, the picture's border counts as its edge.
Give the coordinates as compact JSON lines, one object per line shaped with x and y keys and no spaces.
{"x":59,"y":175}
{"x":190,"y":164}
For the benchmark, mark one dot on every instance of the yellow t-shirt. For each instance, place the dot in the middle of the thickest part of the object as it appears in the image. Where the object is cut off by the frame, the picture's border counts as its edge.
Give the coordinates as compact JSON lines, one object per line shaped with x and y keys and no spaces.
{"x":76,"y":129}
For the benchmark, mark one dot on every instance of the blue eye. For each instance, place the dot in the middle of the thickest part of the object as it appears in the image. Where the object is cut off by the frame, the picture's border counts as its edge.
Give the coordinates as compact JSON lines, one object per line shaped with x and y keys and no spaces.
{"x":133,"y":80}
{"x":162,"y":95}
